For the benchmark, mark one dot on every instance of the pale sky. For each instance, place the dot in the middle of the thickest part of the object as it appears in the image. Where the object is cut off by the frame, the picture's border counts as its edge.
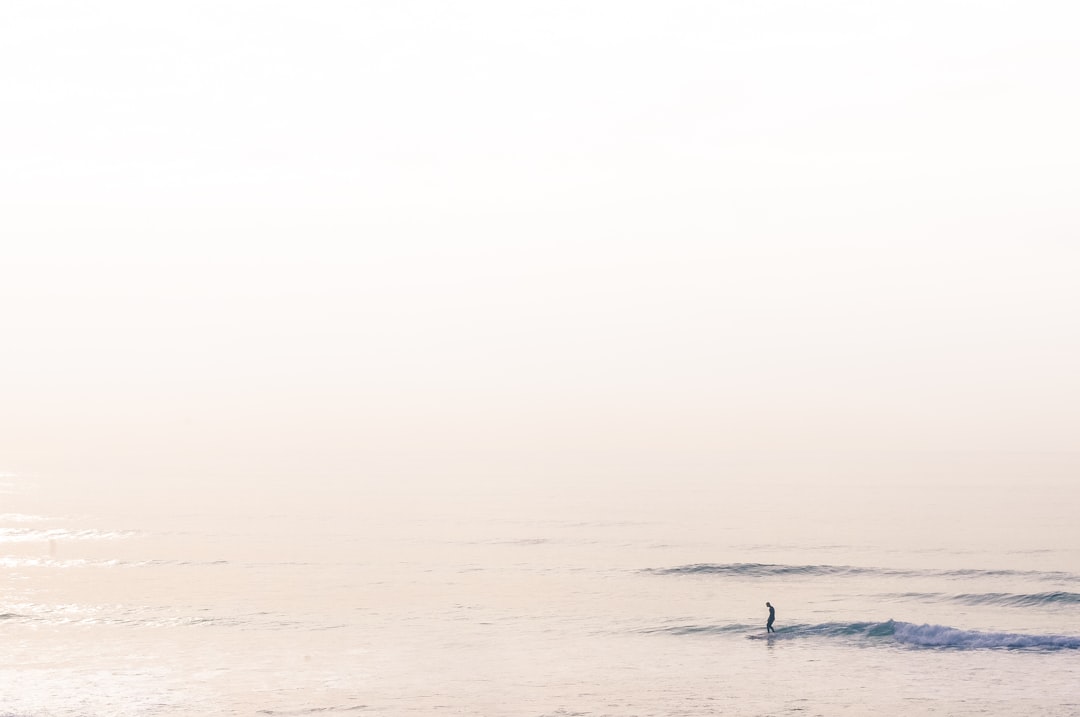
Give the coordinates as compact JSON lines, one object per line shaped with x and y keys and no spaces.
{"x":247,"y":240}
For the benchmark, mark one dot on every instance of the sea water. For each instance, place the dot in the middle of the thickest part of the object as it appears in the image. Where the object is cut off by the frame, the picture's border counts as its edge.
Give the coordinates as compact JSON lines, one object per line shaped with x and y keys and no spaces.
{"x":892,"y":598}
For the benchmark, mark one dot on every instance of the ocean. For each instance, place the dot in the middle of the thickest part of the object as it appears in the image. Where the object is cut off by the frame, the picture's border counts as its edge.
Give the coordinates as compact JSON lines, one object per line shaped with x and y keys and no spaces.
{"x":943,"y":596}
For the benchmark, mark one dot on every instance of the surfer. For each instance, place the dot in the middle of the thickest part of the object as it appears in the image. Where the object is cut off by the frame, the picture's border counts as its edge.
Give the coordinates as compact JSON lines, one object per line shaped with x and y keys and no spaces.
{"x":772,"y":617}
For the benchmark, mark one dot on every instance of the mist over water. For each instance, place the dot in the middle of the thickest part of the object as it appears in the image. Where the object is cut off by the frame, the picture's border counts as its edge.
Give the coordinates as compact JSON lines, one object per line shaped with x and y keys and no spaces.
{"x":486,"y":358}
{"x":531,"y":600}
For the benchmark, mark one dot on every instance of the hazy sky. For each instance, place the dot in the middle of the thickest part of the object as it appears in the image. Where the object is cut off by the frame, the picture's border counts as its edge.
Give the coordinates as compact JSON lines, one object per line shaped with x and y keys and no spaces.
{"x":356,"y":239}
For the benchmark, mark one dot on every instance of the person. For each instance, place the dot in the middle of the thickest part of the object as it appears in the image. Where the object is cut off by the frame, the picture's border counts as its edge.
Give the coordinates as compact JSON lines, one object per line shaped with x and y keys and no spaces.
{"x":772,"y":617}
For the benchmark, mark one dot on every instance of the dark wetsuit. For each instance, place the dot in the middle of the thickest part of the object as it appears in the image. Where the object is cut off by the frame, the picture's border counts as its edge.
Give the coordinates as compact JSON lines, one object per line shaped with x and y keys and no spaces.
{"x":772,"y":617}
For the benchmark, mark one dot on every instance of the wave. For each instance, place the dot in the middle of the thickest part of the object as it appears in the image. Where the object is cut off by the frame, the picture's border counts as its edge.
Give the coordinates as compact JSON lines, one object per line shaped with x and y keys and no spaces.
{"x":891,"y":631}
{"x":701,"y":629}
{"x":31,"y":535}
{"x":21,"y":518}
{"x":942,"y":636}
{"x":11,"y":562}
{"x":757,"y":570}
{"x":980,"y":573}
{"x":314,"y":710}
{"x":131,"y":616}
{"x":1019,"y":600}
{"x":17,"y":562}
{"x":761,"y":570}
{"x":1045,"y":599}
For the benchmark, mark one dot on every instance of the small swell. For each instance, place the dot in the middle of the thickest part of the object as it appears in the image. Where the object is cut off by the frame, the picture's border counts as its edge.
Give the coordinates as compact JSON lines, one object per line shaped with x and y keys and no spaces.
{"x":21,"y":518}
{"x":762,"y":570}
{"x":758,"y":570}
{"x":314,"y":710}
{"x":700,"y":629}
{"x":1030,"y":600}
{"x":978,"y":573}
{"x":31,"y":535}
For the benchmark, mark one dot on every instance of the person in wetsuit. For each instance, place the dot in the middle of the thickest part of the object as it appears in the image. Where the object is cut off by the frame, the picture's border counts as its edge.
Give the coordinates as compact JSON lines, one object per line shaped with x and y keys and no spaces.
{"x":772,"y":617}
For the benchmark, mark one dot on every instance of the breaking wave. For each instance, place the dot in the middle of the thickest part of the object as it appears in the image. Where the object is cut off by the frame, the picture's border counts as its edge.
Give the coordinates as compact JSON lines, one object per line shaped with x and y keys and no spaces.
{"x":891,"y":631}
{"x":942,"y":636}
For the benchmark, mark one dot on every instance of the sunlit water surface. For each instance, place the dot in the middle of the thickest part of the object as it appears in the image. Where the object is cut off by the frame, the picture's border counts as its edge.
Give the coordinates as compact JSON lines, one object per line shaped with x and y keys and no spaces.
{"x":642,"y":600}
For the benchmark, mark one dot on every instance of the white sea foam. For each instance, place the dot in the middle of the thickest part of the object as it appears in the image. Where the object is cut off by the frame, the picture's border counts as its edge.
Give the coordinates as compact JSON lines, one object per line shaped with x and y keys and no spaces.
{"x":905,"y":633}
{"x":942,"y":636}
